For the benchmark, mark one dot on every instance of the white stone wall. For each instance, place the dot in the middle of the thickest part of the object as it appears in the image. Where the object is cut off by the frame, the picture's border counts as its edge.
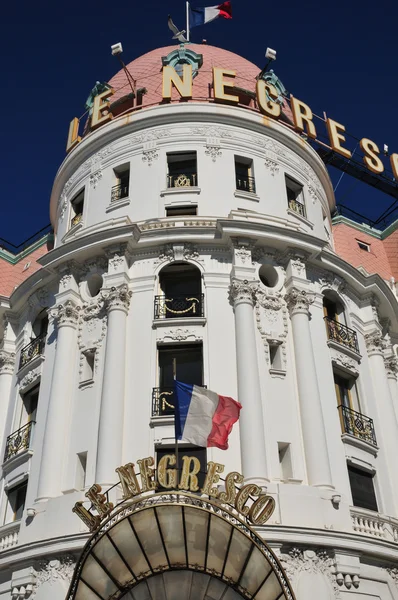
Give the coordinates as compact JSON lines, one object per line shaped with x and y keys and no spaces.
{"x":329,"y":549}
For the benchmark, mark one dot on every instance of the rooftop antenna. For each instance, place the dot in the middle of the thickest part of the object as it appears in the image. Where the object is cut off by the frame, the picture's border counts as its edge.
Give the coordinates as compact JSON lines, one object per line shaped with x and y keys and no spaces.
{"x":116,"y":50}
{"x":271,"y":55}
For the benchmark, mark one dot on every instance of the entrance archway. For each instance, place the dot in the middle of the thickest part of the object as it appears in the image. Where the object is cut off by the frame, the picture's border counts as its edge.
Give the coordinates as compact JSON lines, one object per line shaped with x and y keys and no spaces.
{"x":177,"y":546}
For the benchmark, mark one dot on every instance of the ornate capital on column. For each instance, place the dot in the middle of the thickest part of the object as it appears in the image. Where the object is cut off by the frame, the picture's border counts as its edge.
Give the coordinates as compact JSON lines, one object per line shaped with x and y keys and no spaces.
{"x":298,"y":300}
{"x":391,"y":364}
{"x":7,"y":362}
{"x":66,"y":314}
{"x":374,"y":342}
{"x":118,"y":298}
{"x":243,"y":290}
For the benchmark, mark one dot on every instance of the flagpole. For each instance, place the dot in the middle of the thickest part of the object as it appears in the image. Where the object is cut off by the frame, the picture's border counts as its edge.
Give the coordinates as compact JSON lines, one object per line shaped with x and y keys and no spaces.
{"x":175,"y":416}
{"x":187,"y":11}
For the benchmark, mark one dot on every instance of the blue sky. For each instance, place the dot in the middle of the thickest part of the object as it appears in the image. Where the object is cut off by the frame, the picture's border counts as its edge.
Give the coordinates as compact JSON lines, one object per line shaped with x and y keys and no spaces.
{"x":338,"y":57}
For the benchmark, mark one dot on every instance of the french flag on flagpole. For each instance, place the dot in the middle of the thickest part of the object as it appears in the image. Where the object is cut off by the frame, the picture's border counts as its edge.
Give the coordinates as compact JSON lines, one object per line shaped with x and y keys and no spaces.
{"x":203,"y":417}
{"x":200,"y":16}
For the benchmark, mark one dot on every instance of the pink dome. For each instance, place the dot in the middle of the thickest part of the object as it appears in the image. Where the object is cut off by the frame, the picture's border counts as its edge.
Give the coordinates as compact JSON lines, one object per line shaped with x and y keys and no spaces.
{"x":147,"y":72}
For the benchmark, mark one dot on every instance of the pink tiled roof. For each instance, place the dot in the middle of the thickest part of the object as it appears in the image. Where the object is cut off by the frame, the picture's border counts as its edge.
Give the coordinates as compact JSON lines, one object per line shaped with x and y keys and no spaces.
{"x":11,"y":276}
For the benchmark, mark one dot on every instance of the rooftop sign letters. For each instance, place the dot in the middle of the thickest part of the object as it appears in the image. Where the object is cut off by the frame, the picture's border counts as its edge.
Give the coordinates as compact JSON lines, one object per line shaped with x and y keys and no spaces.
{"x":249,"y":500}
{"x":268,"y":102}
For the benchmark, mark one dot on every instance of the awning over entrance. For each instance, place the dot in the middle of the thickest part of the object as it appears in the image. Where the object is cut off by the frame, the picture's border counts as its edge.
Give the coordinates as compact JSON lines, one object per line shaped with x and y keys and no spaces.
{"x":177,"y":547}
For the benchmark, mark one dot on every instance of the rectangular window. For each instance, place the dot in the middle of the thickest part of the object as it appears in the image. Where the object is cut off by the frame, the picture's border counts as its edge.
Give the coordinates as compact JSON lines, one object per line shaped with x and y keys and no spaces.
{"x":182,"y":170}
{"x":295,"y":196}
{"x":28,"y":407}
{"x":122,"y":183}
{"x":196,"y":451}
{"x":178,"y":211}
{"x":343,"y":390}
{"x":285,"y":461}
{"x":16,"y":497}
{"x":363,"y":246}
{"x":244,"y":175}
{"x":275,"y":355}
{"x":77,"y":208}
{"x":81,"y":468}
{"x":362,"y":488}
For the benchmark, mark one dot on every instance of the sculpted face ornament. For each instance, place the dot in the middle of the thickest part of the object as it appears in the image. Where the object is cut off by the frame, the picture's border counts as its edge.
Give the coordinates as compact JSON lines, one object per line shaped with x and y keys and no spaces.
{"x":248,"y":501}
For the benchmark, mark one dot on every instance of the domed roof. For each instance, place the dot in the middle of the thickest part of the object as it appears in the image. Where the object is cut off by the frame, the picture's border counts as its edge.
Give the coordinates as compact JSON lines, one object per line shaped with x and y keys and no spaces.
{"x":147,"y":72}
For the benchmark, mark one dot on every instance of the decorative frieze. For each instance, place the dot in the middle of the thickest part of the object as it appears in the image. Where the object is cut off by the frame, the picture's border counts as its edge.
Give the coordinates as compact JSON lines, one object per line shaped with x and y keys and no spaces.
{"x":95,"y":178}
{"x":63,"y":200}
{"x":149,"y":155}
{"x":211,"y":131}
{"x":300,"y":563}
{"x":271,"y":165}
{"x":52,"y":571}
{"x":298,"y":300}
{"x":213,"y":150}
{"x":7,"y":362}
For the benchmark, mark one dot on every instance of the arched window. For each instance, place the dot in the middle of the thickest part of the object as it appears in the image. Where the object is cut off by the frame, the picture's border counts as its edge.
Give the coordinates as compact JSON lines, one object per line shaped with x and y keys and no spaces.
{"x":180,"y":287}
{"x":40,"y":324}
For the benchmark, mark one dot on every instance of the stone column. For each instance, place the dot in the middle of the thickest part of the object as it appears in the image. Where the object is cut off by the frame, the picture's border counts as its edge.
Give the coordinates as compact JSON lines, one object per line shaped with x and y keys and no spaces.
{"x":386,"y":438}
{"x":7,"y":363}
{"x":66,"y":316}
{"x":312,"y":422}
{"x":110,"y":434}
{"x":391,"y":366}
{"x":251,"y":422}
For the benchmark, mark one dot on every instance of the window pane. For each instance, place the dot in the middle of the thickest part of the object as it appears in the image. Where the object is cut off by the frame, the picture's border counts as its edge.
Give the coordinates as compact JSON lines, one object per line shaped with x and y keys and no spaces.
{"x":188,"y":362}
{"x":362,"y":489}
{"x":16,"y":498}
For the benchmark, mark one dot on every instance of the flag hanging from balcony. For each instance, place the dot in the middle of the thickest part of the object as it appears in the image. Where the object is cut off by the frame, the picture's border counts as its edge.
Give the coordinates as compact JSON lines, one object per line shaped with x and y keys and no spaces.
{"x":202,"y":417}
{"x":201,"y":16}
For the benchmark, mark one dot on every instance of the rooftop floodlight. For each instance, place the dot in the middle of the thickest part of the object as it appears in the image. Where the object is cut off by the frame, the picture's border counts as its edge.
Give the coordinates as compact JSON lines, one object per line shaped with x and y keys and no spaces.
{"x":116,"y":49}
{"x":385,"y":149}
{"x":270,"y":54}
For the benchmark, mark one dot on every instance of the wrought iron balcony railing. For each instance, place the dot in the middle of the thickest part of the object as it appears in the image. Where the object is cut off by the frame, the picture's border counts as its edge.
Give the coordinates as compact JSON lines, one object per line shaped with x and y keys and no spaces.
{"x":34,"y":348}
{"x":342,"y":334}
{"x":163,"y":401}
{"x":297,"y":207}
{"x":357,"y":424}
{"x":188,"y":179}
{"x":179,"y":306}
{"x":245,"y":183}
{"x":119,"y":191}
{"x":76,"y":219}
{"x":19,"y":440}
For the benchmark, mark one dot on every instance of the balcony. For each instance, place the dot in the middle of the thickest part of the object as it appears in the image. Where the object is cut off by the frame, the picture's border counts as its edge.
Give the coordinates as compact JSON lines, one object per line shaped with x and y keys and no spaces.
{"x":341,"y":334}
{"x":179,"y":307}
{"x":245,"y":183}
{"x":31,"y":350}
{"x":9,"y":535}
{"x":76,"y":219}
{"x":297,"y":207}
{"x":187,"y":179}
{"x":18,"y":441}
{"x":119,"y":192}
{"x":357,"y":425}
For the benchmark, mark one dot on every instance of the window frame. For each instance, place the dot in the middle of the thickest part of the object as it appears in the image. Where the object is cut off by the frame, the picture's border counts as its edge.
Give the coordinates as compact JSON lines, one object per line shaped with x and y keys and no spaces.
{"x":370,"y":477}
{"x":13,"y":510}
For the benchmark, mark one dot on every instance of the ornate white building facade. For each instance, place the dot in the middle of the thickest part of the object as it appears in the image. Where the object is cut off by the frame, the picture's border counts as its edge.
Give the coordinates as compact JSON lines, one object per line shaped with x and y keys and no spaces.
{"x":194,"y":239}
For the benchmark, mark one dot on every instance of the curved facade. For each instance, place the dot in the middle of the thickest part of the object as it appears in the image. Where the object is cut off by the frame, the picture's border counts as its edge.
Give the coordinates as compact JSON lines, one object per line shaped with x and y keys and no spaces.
{"x":194,"y":239}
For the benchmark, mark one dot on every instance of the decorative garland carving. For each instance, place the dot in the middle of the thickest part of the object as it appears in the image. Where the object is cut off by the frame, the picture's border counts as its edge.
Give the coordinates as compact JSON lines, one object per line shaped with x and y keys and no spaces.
{"x":30,"y":377}
{"x":211,"y":131}
{"x":52,"y":571}
{"x":63,"y":200}
{"x":95,"y":178}
{"x":214,"y":151}
{"x":271,"y":165}
{"x":150,"y":155}
{"x":298,"y":561}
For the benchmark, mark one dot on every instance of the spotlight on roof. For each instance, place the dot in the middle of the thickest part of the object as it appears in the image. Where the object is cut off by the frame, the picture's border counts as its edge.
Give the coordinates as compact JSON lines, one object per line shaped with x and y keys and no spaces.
{"x":270,"y":54}
{"x":385,"y":149}
{"x":116,"y":49}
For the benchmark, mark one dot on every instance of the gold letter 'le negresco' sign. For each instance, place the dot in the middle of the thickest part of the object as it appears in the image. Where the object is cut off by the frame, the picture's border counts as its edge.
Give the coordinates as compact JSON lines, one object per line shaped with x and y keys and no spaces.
{"x":248,"y":500}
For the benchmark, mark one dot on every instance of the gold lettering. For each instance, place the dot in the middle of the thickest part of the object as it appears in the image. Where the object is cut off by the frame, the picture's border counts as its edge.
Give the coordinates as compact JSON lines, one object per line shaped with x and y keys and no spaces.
{"x":99,"y":500}
{"x":267,"y":106}
{"x":230,"y":492}
{"x":302,"y":114}
{"x":101,"y":103}
{"x":128,"y":480}
{"x":73,"y":135}
{"x":219,"y":85}
{"x":189,"y":480}
{"x":371,"y":160}
{"x":261,"y":510}
{"x":167,"y":478}
{"x":243,"y":495}
{"x":394,"y":164}
{"x":212,"y":476}
{"x":183,"y":86}
{"x":86,"y":516}
{"x":336,"y":137}
{"x":147,"y":473}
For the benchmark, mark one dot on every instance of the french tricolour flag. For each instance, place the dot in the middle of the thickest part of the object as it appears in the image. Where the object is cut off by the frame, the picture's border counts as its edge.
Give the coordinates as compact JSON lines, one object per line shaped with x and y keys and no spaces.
{"x":200,"y":16}
{"x":203,"y":417}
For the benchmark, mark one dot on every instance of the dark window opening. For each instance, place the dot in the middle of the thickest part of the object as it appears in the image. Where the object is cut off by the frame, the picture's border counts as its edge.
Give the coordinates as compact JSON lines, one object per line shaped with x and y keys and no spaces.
{"x":182,"y":170}
{"x":330,"y":309}
{"x":16,"y":499}
{"x":77,"y":207}
{"x":178,"y":211}
{"x":121,"y":188}
{"x":244,"y":175}
{"x":363,"y":246}
{"x":196,"y":451}
{"x":294,"y":193}
{"x":343,"y":393}
{"x":362,"y":488}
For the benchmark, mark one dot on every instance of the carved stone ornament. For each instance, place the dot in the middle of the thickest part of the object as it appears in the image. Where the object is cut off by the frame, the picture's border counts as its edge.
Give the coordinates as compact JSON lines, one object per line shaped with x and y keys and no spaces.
{"x":53,"y":571}
{"x":190,"y":252}
{"x":39,"y":298}
{"x":211,"y":131}
{"x":95,"y":178}
{"x":30,"y":377}
{"x":7,"y":362}
{"x":271,"y":165}
{"x":214,"y":151}
{"x":118,"y":298}
{"x":268,"y":301}
{"x":166,"y":253}
{"x":298,"y":300}
{"x":298,"y":563}
{"x":63,"y":200}
{"x":150,"y":155}
{"x":66,"y":314}
{"x":393,"y":573}
{"x":243,"y":290}
{"x":374,"y":342}
{"x":149,"y":136}
{"x":391,"y":364}
{"x":341,"y":360}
